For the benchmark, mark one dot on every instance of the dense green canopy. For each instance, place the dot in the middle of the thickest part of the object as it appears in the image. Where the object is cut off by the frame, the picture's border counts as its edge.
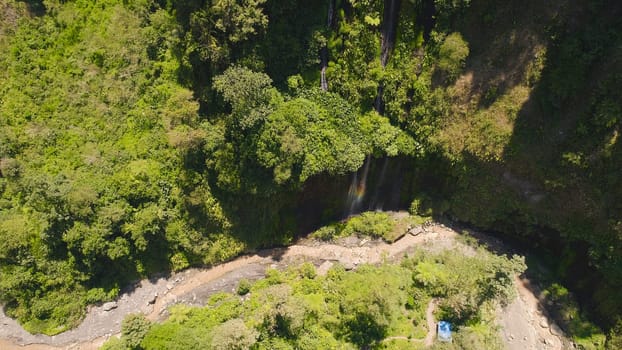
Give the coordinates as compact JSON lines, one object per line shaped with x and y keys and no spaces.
{"x":147,"y":136}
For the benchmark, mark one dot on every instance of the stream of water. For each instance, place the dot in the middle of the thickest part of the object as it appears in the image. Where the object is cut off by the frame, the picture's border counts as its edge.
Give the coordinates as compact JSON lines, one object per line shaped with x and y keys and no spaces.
{"x":358,"y":187}
{"x":324,"y":50}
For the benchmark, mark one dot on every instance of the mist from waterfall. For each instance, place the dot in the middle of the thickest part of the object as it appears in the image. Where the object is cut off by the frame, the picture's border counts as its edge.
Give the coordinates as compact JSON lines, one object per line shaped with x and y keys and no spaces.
{"x":376,"y":203}
{"x":358,"y":189}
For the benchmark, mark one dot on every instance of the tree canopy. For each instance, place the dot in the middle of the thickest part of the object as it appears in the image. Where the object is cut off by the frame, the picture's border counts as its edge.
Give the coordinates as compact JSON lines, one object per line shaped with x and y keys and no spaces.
{"x":146,"y":136}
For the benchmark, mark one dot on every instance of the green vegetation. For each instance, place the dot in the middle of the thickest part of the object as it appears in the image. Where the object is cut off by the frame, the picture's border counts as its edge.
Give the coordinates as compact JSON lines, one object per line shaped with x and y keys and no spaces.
{"x":370,"y":224}
{"x":452,"y":55}
{"x":565,"y":309}
{"x":148,"y":136}
{"x":297,"y":309}
{"x":584,"y":333}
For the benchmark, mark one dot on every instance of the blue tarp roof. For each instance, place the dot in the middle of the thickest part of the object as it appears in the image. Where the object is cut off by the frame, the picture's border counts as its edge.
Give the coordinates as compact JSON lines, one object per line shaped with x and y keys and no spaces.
{"x":444,"y":331}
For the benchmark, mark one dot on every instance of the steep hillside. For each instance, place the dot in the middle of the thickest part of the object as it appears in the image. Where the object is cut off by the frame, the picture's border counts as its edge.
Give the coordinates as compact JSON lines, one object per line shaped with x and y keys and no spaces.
{"x":534,"y":124}
{"x":148,"y":136}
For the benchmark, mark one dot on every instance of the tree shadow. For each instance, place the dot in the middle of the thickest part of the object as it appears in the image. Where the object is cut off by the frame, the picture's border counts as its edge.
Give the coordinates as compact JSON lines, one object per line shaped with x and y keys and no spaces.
{"x":503,"y":38}
{"x":557,"y":185}
{"x":35,"y":7}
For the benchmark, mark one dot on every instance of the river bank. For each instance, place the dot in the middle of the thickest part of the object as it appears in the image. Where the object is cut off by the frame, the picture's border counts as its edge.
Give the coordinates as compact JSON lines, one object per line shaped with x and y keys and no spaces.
{"x":152,"y":297}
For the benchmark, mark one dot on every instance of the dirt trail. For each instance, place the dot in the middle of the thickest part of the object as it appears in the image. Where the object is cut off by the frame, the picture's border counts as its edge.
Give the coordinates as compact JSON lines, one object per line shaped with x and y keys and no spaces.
{"x":429,"y":316}
{"x":526,"y":325}
{"x":153,"y":297}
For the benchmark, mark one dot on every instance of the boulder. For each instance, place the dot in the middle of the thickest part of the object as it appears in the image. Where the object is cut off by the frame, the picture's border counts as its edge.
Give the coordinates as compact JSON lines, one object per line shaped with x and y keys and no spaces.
{"x":544,"y":323}
{"x":348,"y":265}
{"x":109,"y":305}
{"x":555,"y":330}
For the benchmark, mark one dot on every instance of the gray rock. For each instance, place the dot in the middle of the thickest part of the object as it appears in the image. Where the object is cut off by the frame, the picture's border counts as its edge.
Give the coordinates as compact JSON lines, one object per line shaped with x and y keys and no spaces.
{"x":555,"y":330}
{"x":109,"y":306}
{"x":324,"y":267}
{"x":152,"y":299}
{"x":348,"y":265}
{"x":415,"y":231}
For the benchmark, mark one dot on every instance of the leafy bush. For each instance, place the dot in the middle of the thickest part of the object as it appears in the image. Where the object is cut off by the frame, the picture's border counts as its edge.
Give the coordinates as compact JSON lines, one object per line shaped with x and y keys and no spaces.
{"x":614,"y":339}
{"x":233,"y":335}
{"x":325,"y":233}
{"x":244,"y":286}
{"x":452,"y":55}
{"x":420,"y":207}
{"x":372,"y":224}
{"x":133,"y":330}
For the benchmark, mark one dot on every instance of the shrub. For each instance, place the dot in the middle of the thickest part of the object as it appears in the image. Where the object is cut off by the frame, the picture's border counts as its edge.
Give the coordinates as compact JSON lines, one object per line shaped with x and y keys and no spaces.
{"x":372,"y":224}
{"x":325,"y":233}
{"x":452,"y":55}
{"x":9,"y":167}
{"x":307,"y":270}
{"x":244,"y":286}
{"x":134,"y":328}
{"x":233,"y":334}
{"x":179,"y":261}
{"x":614,"y":340}
{"x":420,"y":207}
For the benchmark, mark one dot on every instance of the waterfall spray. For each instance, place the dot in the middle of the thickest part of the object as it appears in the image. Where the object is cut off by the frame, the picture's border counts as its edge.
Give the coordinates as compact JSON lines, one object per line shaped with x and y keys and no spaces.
{"x":357,"y":190}
{"x":375,"y":204}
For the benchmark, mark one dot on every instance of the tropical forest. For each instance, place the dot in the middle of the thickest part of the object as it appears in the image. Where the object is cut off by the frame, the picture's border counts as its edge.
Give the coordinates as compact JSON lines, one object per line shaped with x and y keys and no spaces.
{"x":317,"y":174}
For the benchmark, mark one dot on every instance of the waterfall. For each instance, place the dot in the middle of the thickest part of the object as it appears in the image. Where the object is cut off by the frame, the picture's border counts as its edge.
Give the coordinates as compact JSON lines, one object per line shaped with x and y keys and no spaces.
{"x":389,"y":29}
{"x":323,"y":81}
{"x":427,"y":16}
{"x":331,"y":11}
{"x":388,"y":36}
{"x":324,"y":50}
{"x":375,"y":204}
{"x":378,"y":101}
{"x":356,"y":192}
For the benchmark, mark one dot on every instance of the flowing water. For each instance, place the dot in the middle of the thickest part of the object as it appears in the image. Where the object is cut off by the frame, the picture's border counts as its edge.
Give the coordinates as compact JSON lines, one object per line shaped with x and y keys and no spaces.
{"x":389,"y":29}
{"x":382,"y":191}
{"x":324,"y":50}
{"x":388,"y":36}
